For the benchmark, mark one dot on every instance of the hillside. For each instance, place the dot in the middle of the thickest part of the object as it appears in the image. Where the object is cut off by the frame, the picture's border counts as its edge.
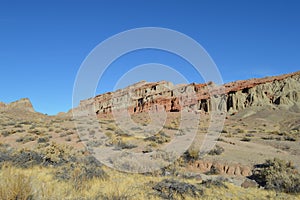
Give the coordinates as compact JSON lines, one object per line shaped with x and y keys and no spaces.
{"x":88,"y":156}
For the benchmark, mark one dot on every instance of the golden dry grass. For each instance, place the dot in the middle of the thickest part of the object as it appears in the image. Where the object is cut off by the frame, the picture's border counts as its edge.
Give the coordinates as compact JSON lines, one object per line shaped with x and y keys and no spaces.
{"x":39,"y":183}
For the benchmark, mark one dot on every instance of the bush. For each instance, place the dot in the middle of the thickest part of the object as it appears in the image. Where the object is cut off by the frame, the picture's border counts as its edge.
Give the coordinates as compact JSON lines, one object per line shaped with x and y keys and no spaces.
{"x":159,"y":138}
{"x":277,"y":175}
{"x":26,"y":158}
{"x":218,"y":150}
{"x":57,"y":154}
{"x":218,"y":182}
{"x":82,"y":170}
{"x":5,"y":133}
{"x":192,"y":153}
{"x":43,"y":140}
{"x":246,"y":139}
{"x":290,"y":138}
{"x":170,"y":189}
{"x":213,"y":171}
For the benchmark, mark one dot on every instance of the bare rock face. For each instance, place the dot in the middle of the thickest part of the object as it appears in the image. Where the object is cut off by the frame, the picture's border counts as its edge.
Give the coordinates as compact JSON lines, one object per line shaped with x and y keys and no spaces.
{"x":205,"y":166}
{"x":23,"y":104}
{"x":231,"y":97}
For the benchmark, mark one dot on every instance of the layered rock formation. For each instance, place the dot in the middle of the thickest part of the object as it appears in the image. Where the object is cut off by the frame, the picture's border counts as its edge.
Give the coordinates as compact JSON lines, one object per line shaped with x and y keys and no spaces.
{"x":204,"y":166}
{"x":230,"y":97}
{"x":23,"y":104}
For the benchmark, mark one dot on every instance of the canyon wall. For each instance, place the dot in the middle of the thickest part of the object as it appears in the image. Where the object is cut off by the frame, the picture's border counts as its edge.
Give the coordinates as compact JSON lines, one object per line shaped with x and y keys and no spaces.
{"x":230,"y":97}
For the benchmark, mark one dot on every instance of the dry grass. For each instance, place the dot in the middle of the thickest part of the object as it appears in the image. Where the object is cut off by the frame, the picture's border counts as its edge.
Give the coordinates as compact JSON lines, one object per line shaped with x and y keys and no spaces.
{"x":39,"y":183}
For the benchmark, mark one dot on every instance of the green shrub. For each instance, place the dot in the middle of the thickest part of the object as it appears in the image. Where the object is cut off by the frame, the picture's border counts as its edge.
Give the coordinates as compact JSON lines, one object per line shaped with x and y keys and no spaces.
{"x":277,"y":175}
{"x":218,"y":150}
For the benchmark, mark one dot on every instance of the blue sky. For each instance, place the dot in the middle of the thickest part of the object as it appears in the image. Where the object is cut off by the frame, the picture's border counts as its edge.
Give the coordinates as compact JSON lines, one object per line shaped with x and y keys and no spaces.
{"x":43,"y":43}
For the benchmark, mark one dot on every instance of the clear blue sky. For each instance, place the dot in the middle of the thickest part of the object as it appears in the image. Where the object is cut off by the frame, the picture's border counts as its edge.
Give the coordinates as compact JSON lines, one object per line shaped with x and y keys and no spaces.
{"x":43,"y":43}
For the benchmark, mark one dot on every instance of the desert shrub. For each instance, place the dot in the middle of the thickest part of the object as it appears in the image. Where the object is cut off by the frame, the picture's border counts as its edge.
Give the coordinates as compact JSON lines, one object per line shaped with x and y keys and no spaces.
{"x":213,"y":170}
{"x":111,"y":127}
{"x":15,"y":185}
{"x":159,"y":138}
{"x":277,"y":175}
{"x":173,"y":189}
{"x":58,"y":154}
{"x":35,"y":131}
{"x":5,"y":155}
{"x":246,"y":139}
{"x":241,"y":130}
{"x":20,"y":139}
{"x":43,"y":140}
{"x":218,"y":150}
{"x":171,"y":127}
{"x":224,"y":131}
{"x":62,"y":135}
{"x":290,"y":138}
{"x":221,"y":139}
{"x":26,"y":158}
{"x":94,"y":143}
{"x":5,"y":133}
{"x":18,"y":126}
{"x":125,"y":145}
{"x":192,"y":153}
{"x":267,"y":137}
{"x":218,"y":182}
{"x":82,"y":170}
{"x":25,"y":122}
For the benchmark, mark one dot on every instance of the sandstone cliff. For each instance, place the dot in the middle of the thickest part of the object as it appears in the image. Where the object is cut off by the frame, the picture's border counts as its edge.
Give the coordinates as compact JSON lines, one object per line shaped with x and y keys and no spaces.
{"x":231,"y":97}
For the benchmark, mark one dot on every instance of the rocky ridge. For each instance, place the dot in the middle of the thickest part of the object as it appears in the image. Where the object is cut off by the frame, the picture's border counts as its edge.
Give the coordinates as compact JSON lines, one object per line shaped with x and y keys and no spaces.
{"x":231,"y":97}
{"x":23,"y":104}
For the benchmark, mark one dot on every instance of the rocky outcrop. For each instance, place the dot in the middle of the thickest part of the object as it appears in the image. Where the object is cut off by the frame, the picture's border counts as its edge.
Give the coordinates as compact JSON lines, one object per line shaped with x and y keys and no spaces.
{"x":230,"y":97}
{"x":214,"y":167}
{"x":23,"y":104}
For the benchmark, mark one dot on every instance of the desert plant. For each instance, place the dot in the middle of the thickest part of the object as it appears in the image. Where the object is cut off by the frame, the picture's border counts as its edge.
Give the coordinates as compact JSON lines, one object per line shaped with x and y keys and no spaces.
{"x":290,"y":138}
{"x":218,"y":182}
{"x":246,"y":139}
{"x":5,"y":133}
{"x":159,"y":138}
{"x":43,"y":140}
{"x":80,"y":171}
{"x":218,"y":150}
{"x":277,"y":175}
{"x":26,"y":158}
{"x":213,"y":170}
{"x":173,"y":189}
{"x":58,"y":154}
{"x":192,"y":153}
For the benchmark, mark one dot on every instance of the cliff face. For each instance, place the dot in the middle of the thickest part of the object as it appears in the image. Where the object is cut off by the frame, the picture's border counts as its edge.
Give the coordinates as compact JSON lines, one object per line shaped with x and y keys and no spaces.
{"x":231,"y":97}
{"x":23,"y":104}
